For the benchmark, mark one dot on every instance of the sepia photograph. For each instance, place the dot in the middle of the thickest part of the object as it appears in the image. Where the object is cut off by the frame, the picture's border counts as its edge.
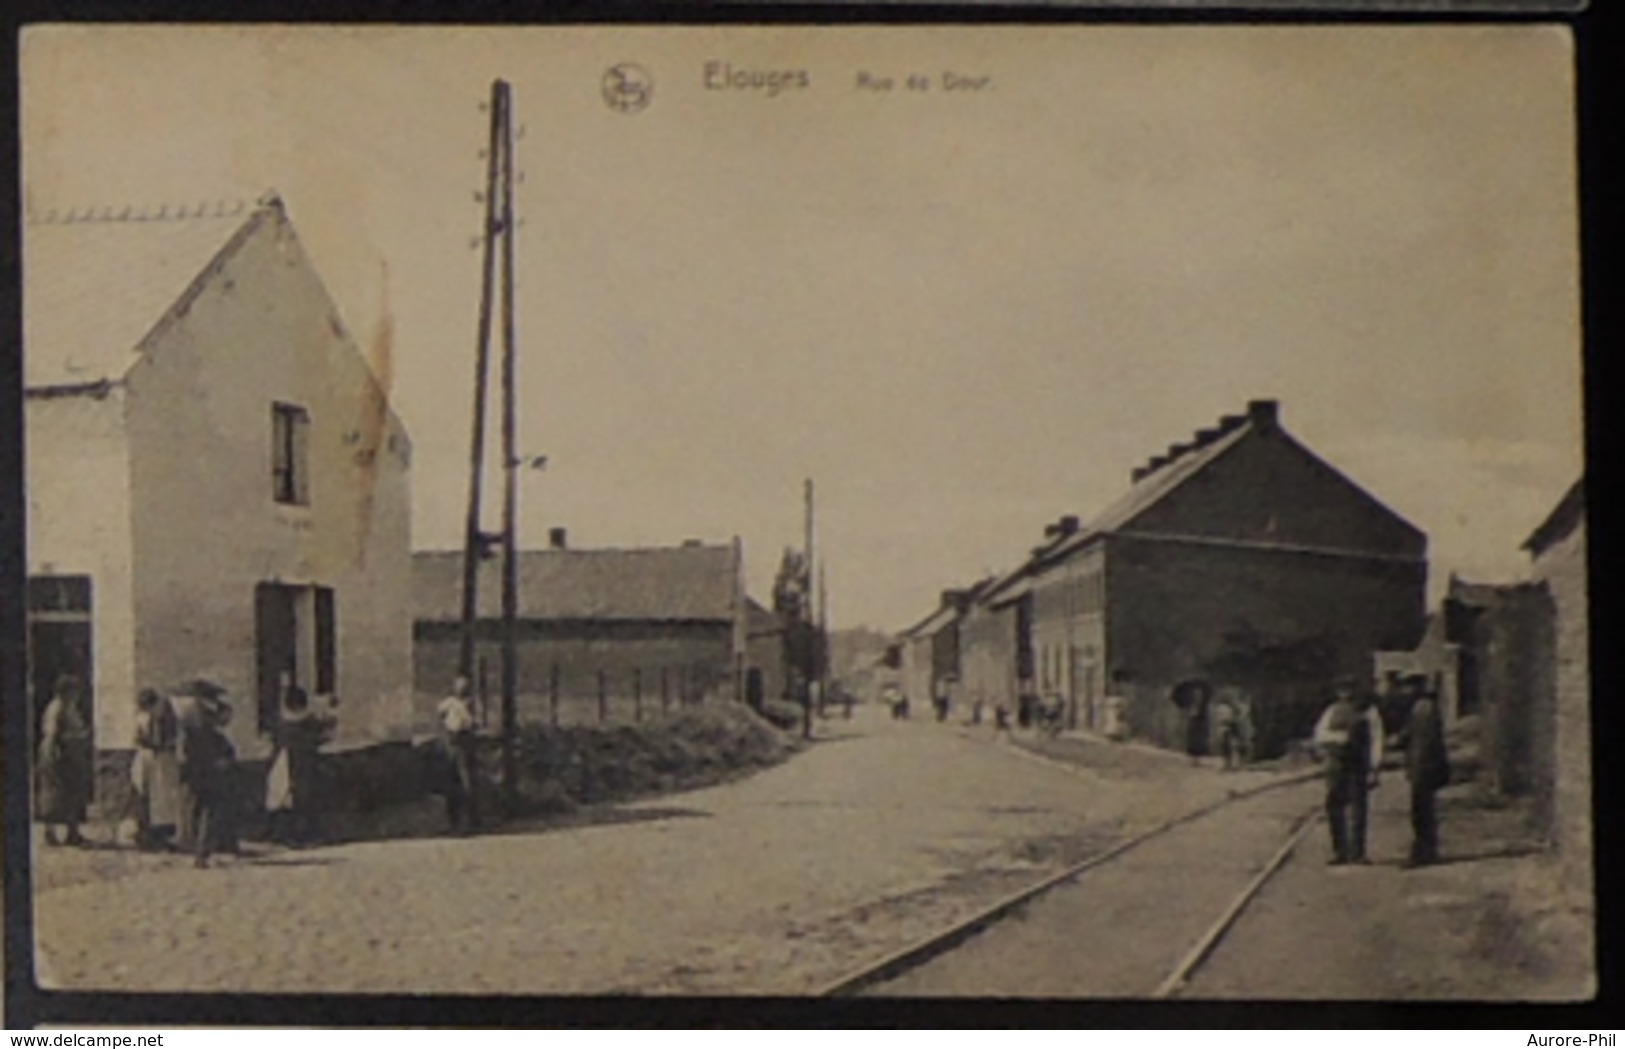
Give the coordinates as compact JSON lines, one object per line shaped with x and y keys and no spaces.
{"x":916,"y":512}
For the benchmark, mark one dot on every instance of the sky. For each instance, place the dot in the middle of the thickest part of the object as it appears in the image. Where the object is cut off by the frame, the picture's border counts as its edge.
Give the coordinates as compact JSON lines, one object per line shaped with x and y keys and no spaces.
{"x":962,"y":312}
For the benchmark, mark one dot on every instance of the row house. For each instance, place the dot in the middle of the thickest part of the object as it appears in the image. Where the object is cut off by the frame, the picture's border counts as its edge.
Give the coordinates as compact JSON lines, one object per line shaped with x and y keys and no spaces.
{"x":930,"y":653}
{"x":1238,"y":557}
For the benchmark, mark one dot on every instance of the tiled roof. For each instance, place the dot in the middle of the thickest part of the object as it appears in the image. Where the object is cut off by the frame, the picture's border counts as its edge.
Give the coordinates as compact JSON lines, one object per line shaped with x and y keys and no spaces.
{"x":646,"y":584}
{"x":948,"y":611}
{"x":1151,"y":489}
{"x":96,"y":282}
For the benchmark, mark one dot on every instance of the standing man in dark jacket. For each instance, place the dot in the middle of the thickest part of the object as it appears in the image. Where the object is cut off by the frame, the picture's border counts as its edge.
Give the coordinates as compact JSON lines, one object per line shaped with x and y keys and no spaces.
{"x":208,"y":766}
{"x":1427,"y":766}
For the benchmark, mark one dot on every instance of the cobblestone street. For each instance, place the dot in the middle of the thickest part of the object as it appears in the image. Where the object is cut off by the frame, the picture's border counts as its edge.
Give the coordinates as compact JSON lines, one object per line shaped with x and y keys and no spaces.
{"x":775,"y":884}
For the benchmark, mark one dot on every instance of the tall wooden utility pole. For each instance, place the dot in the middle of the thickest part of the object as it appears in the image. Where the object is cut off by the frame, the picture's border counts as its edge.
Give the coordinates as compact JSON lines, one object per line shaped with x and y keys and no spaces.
{"x":474,"y":539}
{"x":499,"y":225}
{"x":510,"y":465}
{"x":804,"y":628}
{"x":823,"y":641}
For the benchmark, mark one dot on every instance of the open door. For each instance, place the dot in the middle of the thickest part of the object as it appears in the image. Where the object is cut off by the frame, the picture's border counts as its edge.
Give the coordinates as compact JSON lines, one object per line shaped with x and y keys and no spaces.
{"x":60,"y":643}
{"x":276,"y":647}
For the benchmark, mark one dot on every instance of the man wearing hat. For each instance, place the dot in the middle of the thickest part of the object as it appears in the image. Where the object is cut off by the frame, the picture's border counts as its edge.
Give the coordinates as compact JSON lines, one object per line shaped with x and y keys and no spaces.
{"x":1349,"y":735}
{"x":208,"y":764}
{"x":1427,"y":766}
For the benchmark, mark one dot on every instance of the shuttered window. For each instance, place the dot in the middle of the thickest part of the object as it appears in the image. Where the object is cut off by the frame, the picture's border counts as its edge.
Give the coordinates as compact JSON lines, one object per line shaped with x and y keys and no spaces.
{"x":290,"y":466}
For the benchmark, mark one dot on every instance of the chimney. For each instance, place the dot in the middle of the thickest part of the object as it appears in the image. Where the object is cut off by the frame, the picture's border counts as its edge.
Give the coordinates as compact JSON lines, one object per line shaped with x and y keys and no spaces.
{"x":1263,"y":414}
{"x":1155,"y":463}
{"x":557,"y":538}
{"x":1138,"y":474}
{"x":1177,"y":450}
{"x":1068,"y":525}
{"x":1228,"y":423}
{"x":1207,"y":436}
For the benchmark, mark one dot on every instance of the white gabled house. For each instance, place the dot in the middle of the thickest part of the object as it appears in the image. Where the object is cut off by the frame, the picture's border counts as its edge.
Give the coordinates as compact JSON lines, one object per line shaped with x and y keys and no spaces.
{"x":217,"y":485}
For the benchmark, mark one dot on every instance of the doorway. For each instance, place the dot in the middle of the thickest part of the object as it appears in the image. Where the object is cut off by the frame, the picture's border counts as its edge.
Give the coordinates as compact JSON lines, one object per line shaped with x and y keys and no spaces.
{"x":295,"y":632}
{"x":276,"y":647}
{"x":59,"y":644}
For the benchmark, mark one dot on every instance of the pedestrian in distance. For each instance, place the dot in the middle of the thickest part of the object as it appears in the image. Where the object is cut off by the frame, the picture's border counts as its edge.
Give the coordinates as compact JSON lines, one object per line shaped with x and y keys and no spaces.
{"x":1427,"y":767}
{"x":459,"y":744}
{"x":1246,"y":729}
{"x":1193,"y":699}
{"x":1113,"y":724}
{"x":155,"y":771}
{"x":1349,"y":738}
{"x":1226,"y":731}
{"x":208,"y":767}
{"x":64,"y":763}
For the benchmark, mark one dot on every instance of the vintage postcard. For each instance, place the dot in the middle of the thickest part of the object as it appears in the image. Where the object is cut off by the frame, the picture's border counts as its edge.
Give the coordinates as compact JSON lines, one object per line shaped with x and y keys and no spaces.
{"x":1070,"y":512}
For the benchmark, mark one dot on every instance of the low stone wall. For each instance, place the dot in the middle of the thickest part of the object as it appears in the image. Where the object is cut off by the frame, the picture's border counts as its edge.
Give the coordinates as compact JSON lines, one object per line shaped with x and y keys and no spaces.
{"x":360,"y":779}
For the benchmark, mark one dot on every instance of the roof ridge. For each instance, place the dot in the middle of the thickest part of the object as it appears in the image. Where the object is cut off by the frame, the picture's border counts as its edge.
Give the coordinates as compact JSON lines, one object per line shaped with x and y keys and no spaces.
{"x":209,"y":209}
{"x":676,"y":547}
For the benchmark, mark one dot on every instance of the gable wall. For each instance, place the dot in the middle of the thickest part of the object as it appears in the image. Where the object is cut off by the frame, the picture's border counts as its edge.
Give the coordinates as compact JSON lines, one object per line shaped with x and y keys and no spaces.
{"x":1269,"y":489}
{"x":206,"y":526}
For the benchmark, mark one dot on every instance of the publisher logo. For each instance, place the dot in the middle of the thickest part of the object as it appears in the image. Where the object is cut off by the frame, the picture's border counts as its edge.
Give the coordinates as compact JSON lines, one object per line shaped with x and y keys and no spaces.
{"x":627,"y":87}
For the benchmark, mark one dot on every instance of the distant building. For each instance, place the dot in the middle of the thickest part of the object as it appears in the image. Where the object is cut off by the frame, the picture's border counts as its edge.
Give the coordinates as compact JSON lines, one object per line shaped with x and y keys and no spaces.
{"x":930,"y":650}
{"x":764,"y":654}
{"x":1446,"y":654}
{"x":1239,"y":557}
{"x":217,"y":485}
{"x":664,"y":625}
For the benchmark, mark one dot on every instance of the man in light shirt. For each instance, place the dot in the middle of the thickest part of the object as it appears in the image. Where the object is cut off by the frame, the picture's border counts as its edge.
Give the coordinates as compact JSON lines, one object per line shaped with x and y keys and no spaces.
{"x":1349,"y":737}
{"x":460,"y":743}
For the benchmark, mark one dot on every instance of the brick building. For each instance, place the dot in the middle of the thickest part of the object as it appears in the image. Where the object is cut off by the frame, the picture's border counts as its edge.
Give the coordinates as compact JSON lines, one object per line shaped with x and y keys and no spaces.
{"x":931,"y":651}
{"x":656,"y":626}
{"x":765,"y":673}
{"x":1239,"y":557}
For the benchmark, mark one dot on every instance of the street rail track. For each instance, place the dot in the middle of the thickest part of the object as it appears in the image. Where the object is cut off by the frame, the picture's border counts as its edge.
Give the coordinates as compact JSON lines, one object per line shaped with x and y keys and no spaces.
{"x":947,"y":939}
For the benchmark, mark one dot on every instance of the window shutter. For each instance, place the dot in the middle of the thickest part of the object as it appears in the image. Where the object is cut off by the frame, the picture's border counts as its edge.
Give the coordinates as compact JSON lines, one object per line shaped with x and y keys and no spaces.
{"x":300,"y":466}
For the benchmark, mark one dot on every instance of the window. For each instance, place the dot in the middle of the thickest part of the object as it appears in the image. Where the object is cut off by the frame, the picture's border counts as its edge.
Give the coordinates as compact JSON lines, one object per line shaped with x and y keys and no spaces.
{"x":59,"y":593}
{"x":290,"y":473}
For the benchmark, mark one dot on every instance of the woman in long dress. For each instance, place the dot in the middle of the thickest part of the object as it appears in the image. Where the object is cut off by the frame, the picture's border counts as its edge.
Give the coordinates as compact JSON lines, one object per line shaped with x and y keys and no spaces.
{"x":156,"y":773}
{"x":64,"y":763}
{"x":294,"y":782}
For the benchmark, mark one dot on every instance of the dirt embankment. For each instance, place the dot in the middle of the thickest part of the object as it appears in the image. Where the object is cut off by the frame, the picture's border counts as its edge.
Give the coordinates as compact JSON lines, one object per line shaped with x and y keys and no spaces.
{"x":563,"y":768}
